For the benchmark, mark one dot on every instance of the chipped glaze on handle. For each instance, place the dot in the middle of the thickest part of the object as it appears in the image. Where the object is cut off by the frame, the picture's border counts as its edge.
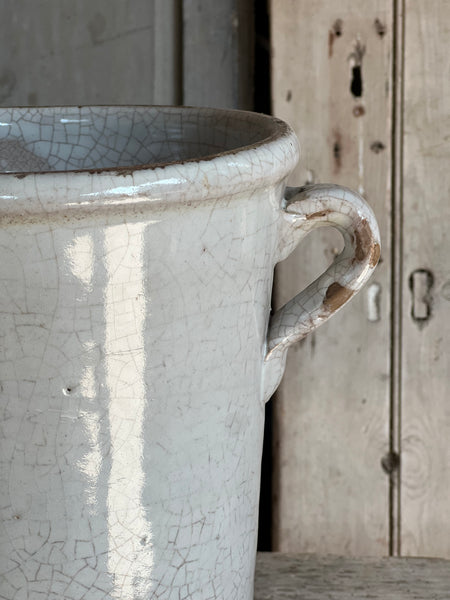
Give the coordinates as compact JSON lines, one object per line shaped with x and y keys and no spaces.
{"x":306,"y":209}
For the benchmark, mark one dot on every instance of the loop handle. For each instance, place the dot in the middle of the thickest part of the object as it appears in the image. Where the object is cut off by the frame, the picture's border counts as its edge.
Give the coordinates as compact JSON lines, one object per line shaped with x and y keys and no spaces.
{"x":308,"y":208}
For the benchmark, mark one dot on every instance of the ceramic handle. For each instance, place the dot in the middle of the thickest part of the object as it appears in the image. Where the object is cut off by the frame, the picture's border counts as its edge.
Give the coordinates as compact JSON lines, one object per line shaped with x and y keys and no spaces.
{"x":306,"y":209}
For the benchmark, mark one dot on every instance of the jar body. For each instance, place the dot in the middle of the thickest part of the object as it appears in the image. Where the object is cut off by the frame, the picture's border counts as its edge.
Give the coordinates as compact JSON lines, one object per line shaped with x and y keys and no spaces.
{"x":133,"y":348}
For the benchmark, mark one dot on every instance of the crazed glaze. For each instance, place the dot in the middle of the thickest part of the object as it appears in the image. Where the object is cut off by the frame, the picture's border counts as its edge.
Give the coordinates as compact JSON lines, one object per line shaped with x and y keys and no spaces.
{"x":134,"y":308}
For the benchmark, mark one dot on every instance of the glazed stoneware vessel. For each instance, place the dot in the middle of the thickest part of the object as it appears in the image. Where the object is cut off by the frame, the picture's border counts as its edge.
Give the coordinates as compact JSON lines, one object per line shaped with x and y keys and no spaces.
{"x":137,"y":350}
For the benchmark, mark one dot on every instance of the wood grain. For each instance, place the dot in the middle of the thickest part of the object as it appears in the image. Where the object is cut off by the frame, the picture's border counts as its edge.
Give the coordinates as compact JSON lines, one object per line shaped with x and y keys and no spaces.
{"x":307,"y":577}
{"x":426,"y":245}
{"x":331,"y":414}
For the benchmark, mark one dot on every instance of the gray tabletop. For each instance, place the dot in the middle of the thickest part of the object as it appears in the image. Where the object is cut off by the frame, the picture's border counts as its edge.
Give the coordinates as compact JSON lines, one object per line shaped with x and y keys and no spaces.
{"x":312,"y":577}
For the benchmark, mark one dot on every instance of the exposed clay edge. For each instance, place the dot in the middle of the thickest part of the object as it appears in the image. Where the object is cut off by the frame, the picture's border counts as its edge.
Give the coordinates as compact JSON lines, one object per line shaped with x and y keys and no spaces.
{"x":319,"y":214}
{"x":375,"y":255}
{"x":364,"y":241}
{"x":336,"y":296}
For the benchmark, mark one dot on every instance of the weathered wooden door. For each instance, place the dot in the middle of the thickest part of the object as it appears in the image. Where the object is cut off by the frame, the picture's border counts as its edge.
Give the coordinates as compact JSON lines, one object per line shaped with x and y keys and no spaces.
{"x":362,"y":458}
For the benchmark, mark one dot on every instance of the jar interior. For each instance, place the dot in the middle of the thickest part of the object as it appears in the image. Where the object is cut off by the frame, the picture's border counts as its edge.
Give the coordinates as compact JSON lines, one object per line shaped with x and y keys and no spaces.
{"x":100,"y":137}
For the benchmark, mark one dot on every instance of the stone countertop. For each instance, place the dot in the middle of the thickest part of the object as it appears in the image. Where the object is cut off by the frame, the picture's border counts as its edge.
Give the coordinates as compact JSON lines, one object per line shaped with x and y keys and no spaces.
{"x":314,"y":577}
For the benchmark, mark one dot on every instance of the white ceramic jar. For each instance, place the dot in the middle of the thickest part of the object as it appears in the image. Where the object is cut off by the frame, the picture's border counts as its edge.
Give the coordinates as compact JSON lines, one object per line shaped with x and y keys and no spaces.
{"x":137,"y":254}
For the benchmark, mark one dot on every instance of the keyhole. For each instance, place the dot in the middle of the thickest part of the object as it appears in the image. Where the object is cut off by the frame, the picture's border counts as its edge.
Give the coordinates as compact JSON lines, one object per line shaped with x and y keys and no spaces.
{"x":420,"y":283}
{"x":356,"y":85}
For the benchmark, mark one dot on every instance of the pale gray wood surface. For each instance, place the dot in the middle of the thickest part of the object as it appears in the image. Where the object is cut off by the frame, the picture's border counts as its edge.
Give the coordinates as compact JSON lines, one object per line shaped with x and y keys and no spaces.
{"x":218,"y":53}
{"x":425,"y":428}
{"x":167,"y":63}
{"x":332,"y":410}
{"x":89,"y":52}
{"x":309,"y":577}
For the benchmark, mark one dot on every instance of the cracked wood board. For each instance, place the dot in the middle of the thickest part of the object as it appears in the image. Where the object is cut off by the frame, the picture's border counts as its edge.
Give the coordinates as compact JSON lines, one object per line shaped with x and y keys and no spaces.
{"x":89,"y":52}
{"x":425,"y":379}
{"x":331,"y":80}
{"x":308,"y":577}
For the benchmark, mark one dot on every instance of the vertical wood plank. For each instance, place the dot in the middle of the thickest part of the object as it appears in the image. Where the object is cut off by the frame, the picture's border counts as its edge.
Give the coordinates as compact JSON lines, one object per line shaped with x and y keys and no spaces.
{"x":88,"y":52}
{"x":331,"y":73}
{"x":218,"y":53}
{"x":167,"y":52}
{"x":426,"y":245}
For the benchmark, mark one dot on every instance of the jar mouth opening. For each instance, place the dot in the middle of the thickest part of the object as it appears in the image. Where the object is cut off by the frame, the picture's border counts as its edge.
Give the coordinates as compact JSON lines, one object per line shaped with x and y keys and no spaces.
{"x":124,"y":139}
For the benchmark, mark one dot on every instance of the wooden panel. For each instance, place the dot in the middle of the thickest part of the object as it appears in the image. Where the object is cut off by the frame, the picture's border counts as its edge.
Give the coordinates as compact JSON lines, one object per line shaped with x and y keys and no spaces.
{"x":312,"y":577}
{"x":426,"y":246}
{"x":218,"y":53}
{"x":88,"y":52}
{"x":167,"y":52}
{"x":331,"y":74}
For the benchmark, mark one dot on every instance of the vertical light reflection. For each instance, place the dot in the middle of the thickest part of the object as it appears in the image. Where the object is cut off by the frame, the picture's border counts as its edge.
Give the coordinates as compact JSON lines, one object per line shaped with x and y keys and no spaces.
{"x":130,"y":555}
{"x":79,"y":256}
{"x":90,"y":464}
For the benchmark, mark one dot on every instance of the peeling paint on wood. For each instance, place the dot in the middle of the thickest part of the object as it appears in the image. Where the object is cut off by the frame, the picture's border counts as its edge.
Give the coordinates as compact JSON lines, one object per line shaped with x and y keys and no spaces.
{"x":330,"y":494}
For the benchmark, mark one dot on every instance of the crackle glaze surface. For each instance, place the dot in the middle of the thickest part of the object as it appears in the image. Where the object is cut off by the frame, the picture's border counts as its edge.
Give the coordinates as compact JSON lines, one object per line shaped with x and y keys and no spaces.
{"x":135,"y":352}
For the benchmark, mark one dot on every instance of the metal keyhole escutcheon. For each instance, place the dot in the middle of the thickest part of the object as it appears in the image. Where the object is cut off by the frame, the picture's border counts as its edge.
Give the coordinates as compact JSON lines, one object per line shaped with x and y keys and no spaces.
{"x":420,"y":283}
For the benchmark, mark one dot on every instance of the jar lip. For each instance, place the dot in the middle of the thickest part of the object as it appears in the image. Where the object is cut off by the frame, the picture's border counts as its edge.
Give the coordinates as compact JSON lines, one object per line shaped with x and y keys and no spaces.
{"x":270,"y":129}
{"x":269,"y":158}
